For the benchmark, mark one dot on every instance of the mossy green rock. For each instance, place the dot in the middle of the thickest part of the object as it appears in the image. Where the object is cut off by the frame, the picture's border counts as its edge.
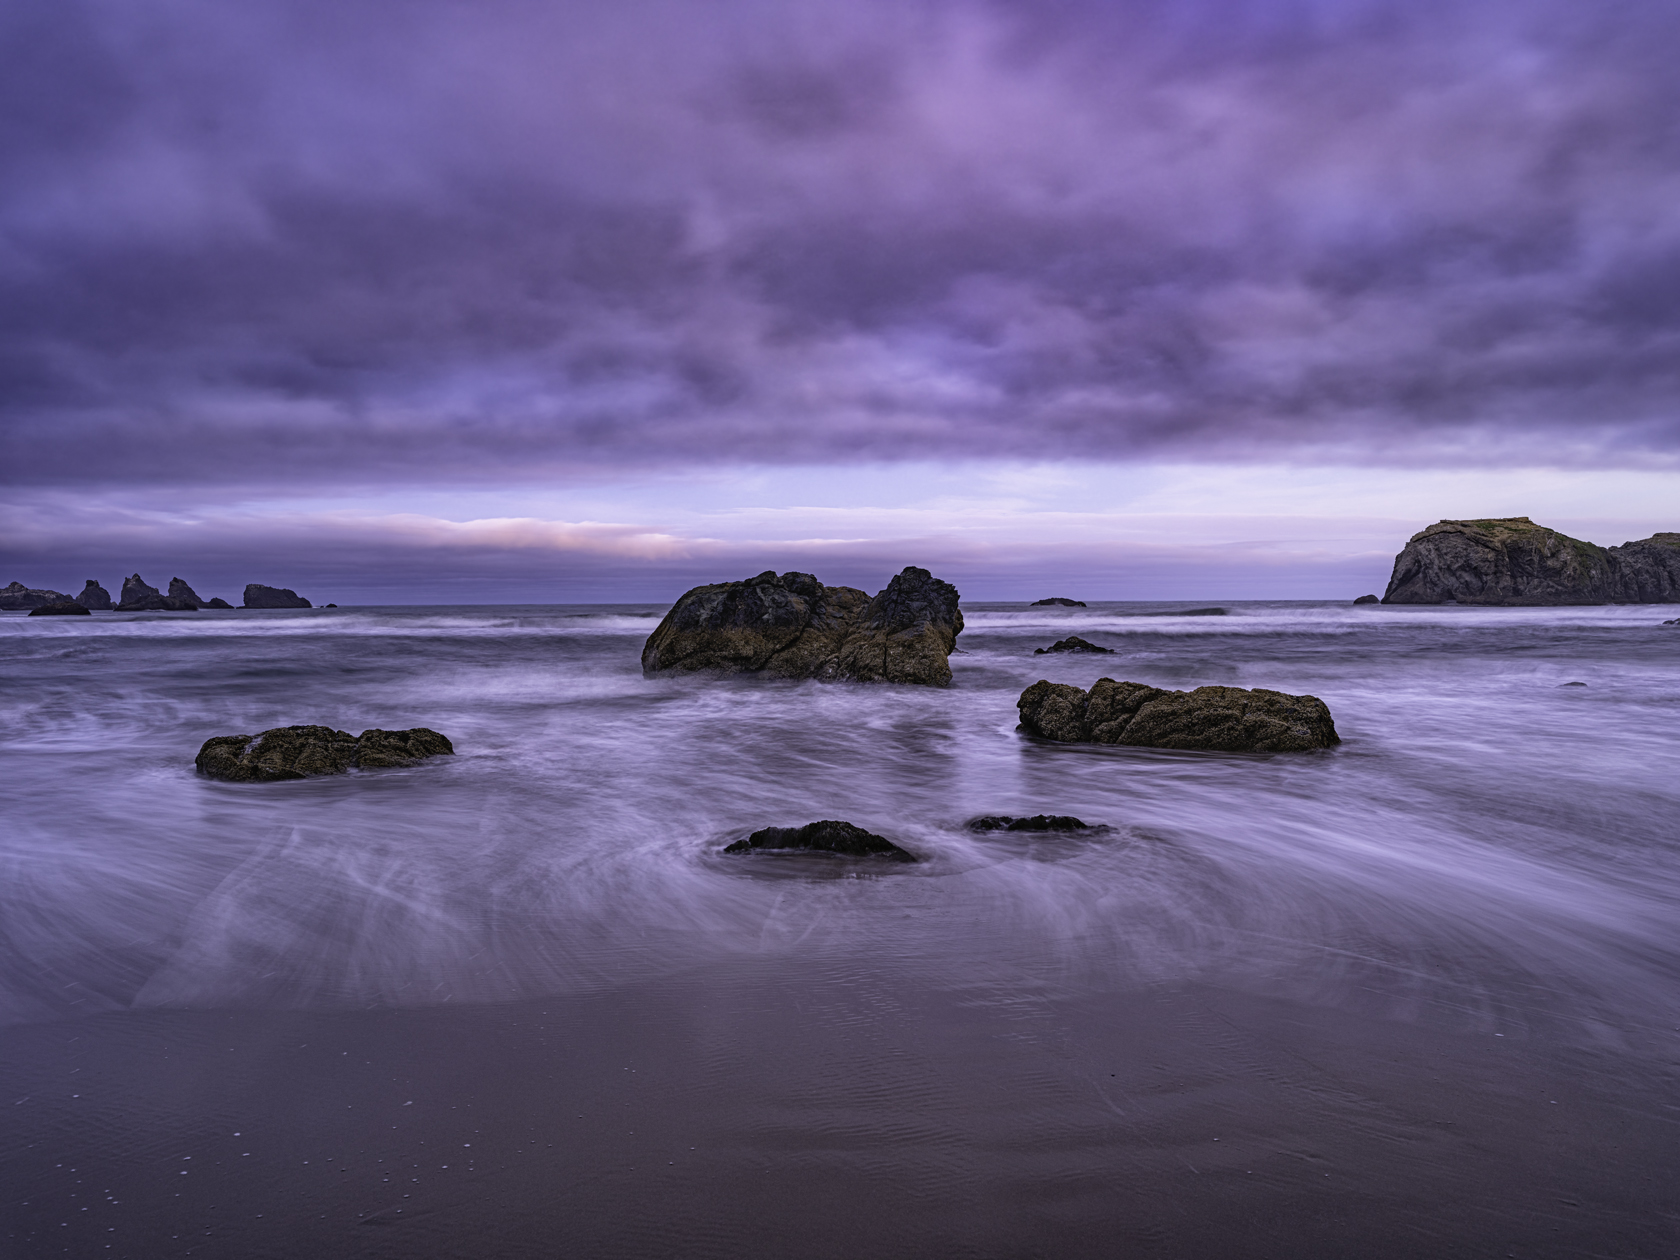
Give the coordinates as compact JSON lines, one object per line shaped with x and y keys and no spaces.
{"x":1511,"y":560}
{"x":304,"y":752}
{"x":1209,"y":719}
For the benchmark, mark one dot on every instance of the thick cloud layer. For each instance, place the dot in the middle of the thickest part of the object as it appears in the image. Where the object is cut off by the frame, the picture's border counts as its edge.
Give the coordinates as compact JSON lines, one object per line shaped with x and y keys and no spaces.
{"x":436,"y":240}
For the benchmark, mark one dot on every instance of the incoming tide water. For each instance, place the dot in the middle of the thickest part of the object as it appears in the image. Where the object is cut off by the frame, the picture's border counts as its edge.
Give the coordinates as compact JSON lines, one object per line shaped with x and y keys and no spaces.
{"x":1417,"y":994}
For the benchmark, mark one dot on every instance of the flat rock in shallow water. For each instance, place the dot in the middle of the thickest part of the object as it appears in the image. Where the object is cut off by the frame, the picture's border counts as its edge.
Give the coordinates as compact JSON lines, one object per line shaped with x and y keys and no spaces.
{"x":1210,"y":719}
{"x":828,"y":836}
{"x":1038,"y":822}
{"x":1073,"y":643}
{"x":1368,"y":599}
{"x":792,"y":626}
{"x":69,"y":608}
{"x":303,"y":752}
{"x":1061,"y":600}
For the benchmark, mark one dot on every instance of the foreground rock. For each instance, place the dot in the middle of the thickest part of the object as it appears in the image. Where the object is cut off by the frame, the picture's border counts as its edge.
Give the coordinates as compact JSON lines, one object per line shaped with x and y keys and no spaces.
{"x":19,"y":598}
{"x":1038,"y":822}
{"x":829,"y":836}
{"x":792,"y":626}
{"x":1211,"y":719}
{"x":1073,"y":643}
{"x":1061,"y":600}
{"x":69,"y":608}
{"x":259,"y":596}
{"x":95,"y":597}
{"x":303,"y":752}
{"x":1511,"y":560}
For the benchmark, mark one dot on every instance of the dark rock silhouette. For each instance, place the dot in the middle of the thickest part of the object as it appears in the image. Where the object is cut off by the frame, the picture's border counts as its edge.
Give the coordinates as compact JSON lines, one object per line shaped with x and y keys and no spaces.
{"x":1038,"y":822}
{"x":1511,"y":560}
{"x":1061,"y":600}
{"x":302,"y":752}
{"x":95,"y":597}
{"x":1072,"y":644}
{"x":181,"y":591}
{"x":792,"y":626}
{"x":217,"y":602}
{"x":69,"y":608}
{"x":1214,"y":719}
{"x":259,"y":596}
{"x":829,"y":836}
{"x":1368,"y":599}
{"x":1200,"y":612}
{"x":139,"y":597}
{"x":17,"y":597}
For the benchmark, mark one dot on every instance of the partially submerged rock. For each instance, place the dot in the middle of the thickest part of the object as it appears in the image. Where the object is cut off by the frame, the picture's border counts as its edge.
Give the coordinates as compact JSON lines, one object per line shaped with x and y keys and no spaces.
{"x":1511,"y":560}
{"x":302,"y":752}
{"x":69,"y":608}
{"x":1038,"y":822}
{"x":1368,"y":599}
{"x":260,"y":596}
{"x":828,"y":836}
{"x":1059,"y":599}
{"x":216,"y":601}
{"x":1213,"y":719}
{"x":1073,"y":643}
{"x":19,"y":598}
{"x":792,"y":626}
{"x":95,"y":597}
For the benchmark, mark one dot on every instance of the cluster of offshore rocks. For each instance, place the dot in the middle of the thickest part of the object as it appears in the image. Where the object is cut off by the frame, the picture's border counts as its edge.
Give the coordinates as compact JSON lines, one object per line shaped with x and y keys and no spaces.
{"x":1511,"y":560}
{"x":137,"y":596}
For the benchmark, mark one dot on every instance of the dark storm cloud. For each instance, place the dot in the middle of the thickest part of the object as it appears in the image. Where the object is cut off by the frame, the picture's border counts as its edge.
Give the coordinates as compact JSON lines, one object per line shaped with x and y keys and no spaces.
{"x":442,"y":240}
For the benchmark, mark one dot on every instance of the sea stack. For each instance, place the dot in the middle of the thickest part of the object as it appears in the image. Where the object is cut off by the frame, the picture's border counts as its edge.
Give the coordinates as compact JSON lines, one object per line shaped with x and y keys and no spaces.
{"x":259,"y":596}
{"x":1513,"y":561}
{"x":20,"y":598}
{"x":94,"y":597}
{"x":792,"y":626}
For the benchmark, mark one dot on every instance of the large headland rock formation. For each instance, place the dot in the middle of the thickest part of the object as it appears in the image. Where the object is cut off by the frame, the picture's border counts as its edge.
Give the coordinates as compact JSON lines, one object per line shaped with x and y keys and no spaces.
{"x":792,"y":626}
{"x":1511,"y":560}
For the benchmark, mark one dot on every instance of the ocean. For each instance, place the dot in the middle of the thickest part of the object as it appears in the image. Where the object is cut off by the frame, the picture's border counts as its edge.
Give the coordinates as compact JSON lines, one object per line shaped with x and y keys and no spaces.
{"x":1418,"y":994}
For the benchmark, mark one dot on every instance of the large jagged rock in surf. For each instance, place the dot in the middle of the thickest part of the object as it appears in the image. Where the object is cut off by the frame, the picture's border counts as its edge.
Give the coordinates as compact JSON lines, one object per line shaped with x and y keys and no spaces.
{"x":259,"y":596}
{"x":792,"y":626}
{"x":181,"y":591}
{"x":1211,"y":719}
{"x":1514,"y":561}
{"x":137,"y":596}
{"x":19,"y":598}
{"x":95,"y":597}
{"x":828,"y":836}
{"x":303,"y":752}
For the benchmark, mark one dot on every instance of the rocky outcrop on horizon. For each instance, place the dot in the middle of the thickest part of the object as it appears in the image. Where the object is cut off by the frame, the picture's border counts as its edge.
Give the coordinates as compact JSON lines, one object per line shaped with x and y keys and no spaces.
{"x":1060,"y":600}
{"x":792,"y":626}
{"x":68,"y":608}
{"x":95,"y":597}
{"x":137,"y":596}
{"x":303,"y":752}
{"x":1513,"y":561}
{"x":20,"y":598}
{"x":1368,"y":599}
{"x":1210,"y":719}
{"x":828,"y":836}
{"x":1073,"y":643}
{"x":259,"y":596}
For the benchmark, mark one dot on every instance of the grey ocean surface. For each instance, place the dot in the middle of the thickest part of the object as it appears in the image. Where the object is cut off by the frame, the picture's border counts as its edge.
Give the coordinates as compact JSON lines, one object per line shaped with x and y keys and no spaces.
{"x":1417,"y":994}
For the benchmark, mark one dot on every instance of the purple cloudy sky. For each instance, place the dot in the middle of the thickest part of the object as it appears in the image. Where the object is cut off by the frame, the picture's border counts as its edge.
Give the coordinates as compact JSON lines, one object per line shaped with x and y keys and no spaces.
{"x":420,"y":299}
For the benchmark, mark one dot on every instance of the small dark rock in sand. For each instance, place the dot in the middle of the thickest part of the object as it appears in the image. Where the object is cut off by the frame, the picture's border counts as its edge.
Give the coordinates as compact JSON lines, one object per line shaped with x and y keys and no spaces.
{"x":1369,"y":599}
{"x":302,"y":752}
{"x":1072,"y":644}
{"x":260,"y":596}
{"x":69,"y":608}
{"x":1038,"y":822}
{"x":1211,"y":719}
{"x":1059,"y":599}
{"x":95,"y":597}
{"x":829,"y":836}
